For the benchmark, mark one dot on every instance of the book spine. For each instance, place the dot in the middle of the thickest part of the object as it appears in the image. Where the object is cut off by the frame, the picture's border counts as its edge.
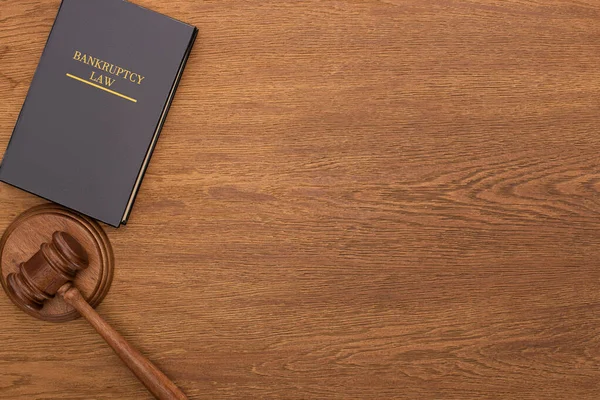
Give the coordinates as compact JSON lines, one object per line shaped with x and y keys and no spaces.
{"x":159,"y":129}
{"x":32,"y":84}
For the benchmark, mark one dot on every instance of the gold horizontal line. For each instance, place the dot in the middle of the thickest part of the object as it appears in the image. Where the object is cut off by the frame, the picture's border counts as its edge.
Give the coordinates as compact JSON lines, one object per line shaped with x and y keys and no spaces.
{"x":102,"y":88}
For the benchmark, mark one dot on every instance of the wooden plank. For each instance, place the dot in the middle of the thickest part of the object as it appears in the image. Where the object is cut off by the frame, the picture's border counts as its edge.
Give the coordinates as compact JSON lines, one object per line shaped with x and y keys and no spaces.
{"x":349,"y":200}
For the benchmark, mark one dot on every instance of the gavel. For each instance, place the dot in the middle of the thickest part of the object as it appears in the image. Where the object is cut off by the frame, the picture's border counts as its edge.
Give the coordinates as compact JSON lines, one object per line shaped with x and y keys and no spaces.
{"x":51,"y":272}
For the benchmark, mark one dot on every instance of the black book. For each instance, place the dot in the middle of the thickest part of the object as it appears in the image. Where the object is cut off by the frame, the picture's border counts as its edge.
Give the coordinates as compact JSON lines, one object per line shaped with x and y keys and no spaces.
{"x":96,"y":105}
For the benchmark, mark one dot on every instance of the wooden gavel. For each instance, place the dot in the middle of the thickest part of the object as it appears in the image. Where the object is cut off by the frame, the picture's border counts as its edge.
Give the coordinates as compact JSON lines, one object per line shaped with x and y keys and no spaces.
{"x":51,"y":271}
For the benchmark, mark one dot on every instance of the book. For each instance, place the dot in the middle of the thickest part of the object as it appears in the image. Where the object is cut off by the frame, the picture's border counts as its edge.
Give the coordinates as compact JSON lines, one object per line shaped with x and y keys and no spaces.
{"x":96,"y":105}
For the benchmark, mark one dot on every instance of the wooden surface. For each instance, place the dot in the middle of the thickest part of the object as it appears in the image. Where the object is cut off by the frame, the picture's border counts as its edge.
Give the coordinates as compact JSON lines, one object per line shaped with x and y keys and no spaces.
{"x":349,"y":200}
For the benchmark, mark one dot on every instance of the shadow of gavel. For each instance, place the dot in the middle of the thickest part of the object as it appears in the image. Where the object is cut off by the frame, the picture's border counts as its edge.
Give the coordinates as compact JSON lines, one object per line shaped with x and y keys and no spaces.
{"x":51,"y":272}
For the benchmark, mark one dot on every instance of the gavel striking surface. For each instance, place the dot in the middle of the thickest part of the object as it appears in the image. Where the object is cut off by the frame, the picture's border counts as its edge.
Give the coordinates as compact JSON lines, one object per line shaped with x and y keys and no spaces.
{"x":22,"y":239}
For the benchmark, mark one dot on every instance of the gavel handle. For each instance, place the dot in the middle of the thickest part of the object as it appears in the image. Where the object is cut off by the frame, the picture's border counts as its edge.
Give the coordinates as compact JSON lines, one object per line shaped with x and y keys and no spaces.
{"x":155,"y":381}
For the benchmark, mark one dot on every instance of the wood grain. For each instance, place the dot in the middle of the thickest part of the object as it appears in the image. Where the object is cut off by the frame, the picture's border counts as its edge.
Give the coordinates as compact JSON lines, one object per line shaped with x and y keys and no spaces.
{"x":349,"y":200}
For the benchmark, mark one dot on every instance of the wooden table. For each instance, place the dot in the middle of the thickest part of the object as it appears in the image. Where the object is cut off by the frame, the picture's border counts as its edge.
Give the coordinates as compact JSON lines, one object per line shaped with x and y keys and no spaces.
{"x":349,"y":200}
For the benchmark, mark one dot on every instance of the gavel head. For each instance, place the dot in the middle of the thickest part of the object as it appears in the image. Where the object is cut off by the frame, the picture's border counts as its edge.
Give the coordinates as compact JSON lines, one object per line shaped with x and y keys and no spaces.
{"x":55,"y":264}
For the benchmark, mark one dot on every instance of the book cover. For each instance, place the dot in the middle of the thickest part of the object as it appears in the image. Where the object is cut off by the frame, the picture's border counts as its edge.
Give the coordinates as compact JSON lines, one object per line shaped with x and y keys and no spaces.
{"x":96,"y":105}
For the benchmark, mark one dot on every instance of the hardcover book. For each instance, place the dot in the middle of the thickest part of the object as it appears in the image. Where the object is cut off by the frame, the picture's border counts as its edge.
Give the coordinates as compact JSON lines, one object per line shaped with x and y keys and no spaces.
{"x":96,"y":106}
